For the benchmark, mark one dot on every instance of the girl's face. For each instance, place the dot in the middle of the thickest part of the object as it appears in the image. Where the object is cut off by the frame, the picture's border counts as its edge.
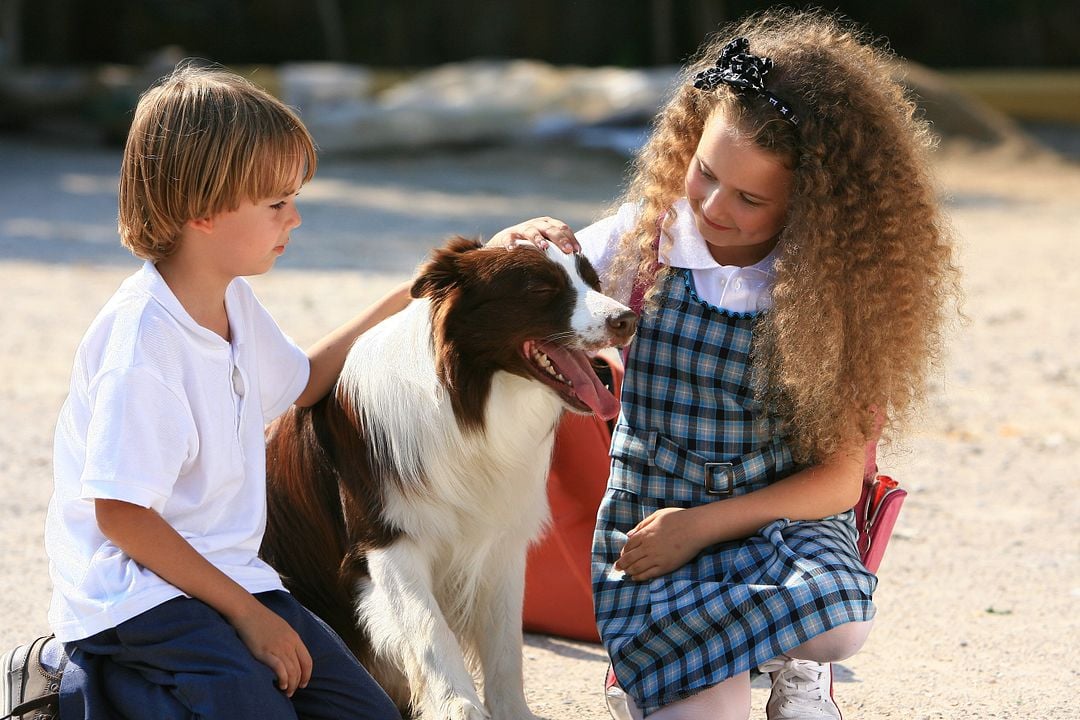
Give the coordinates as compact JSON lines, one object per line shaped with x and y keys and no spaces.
{"x":739,"y":194}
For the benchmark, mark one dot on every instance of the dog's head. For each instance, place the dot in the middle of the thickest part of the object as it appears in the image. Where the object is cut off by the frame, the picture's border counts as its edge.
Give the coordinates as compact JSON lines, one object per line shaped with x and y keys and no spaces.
{"x":536,"y":314}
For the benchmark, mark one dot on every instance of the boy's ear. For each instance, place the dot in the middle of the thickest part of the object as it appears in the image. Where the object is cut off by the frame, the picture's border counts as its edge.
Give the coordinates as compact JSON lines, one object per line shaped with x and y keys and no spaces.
{"x":203,"y":225}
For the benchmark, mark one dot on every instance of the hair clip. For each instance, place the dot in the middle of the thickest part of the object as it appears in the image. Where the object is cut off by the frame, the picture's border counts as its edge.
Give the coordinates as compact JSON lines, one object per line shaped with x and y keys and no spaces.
{"x":738,"y":68}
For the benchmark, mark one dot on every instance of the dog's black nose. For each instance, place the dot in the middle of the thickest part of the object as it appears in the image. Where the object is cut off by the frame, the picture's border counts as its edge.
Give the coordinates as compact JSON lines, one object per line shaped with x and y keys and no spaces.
{"x":624,"y":325}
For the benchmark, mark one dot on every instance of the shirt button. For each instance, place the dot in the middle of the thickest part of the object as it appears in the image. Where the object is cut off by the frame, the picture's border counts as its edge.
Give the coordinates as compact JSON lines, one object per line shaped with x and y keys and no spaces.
{"x":237,"y":381}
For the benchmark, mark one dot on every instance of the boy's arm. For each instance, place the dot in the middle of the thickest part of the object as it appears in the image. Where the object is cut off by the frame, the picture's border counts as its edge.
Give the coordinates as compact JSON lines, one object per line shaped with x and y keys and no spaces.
{"x":327,"y":356}
{"x":149,"y":540}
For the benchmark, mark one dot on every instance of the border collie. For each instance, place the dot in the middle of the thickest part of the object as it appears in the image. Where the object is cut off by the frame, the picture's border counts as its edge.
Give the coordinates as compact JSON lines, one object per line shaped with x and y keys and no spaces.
{"x":402,"y":505}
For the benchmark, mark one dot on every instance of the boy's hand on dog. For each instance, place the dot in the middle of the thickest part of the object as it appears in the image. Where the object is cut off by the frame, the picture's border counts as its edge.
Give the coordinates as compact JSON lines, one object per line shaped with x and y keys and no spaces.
{"x":662,"y":542}
{"x":275,"y":644}
{"x":539,"y":231}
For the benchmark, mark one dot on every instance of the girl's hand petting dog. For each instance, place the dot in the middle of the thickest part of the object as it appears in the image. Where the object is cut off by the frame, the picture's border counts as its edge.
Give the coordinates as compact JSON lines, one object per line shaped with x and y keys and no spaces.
{"x":539,"y":231}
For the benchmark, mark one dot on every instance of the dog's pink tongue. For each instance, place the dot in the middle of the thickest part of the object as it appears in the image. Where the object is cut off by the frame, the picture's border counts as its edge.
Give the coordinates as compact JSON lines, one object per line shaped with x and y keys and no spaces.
{"x":575,"y":367}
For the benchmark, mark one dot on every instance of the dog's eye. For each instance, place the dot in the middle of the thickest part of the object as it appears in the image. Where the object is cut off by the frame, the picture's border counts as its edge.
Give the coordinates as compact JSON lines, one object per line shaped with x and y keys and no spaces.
{"x":542,"y":290}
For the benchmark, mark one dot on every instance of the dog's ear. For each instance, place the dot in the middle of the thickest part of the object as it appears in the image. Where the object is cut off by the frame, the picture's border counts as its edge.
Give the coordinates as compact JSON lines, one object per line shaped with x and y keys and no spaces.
{"x":441,"y":272}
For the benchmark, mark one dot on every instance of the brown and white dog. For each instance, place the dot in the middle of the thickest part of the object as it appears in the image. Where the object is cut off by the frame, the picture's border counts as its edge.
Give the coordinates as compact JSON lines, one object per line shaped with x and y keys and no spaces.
{"x":402,"y":506}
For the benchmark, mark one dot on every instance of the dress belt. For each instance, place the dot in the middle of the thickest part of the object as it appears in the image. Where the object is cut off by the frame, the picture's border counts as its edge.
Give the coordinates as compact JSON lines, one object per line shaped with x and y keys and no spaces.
{"x":718,"y":477}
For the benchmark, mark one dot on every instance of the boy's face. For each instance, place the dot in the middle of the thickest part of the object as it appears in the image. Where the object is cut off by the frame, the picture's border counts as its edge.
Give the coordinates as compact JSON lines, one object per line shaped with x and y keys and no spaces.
{"x":739,"y":195}
{"x":250,"y":239}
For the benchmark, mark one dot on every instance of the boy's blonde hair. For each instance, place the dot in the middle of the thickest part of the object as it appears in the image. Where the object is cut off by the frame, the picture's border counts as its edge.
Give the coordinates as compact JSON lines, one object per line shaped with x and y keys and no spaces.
{"x":203,"y":141}
{"x":865,"y":265}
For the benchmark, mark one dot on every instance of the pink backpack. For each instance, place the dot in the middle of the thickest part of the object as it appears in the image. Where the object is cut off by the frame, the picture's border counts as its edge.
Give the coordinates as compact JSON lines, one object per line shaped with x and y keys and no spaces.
{"x":876,"y":511}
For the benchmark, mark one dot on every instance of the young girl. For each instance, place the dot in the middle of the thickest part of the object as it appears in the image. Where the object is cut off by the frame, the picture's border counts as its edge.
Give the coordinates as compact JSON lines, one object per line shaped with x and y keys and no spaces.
{"x":783,"y":228}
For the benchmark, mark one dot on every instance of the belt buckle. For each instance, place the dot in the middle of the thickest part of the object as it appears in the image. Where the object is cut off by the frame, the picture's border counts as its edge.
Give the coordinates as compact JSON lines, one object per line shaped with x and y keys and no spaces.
{"x":728,"y":470}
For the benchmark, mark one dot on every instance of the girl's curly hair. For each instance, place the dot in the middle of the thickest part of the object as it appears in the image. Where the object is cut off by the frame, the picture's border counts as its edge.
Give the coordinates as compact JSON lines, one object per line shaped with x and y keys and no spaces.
{"x":865,"y":269}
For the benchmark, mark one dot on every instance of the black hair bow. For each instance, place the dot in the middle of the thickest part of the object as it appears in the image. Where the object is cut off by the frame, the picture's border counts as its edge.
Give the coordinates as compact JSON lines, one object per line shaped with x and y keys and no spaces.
{"x":740,"y":69}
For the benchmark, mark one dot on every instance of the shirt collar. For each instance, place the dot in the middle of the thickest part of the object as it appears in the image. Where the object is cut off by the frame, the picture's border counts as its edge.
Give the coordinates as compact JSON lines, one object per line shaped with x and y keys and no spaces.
{"x":692,"y":252}
{"x":151,"y":282}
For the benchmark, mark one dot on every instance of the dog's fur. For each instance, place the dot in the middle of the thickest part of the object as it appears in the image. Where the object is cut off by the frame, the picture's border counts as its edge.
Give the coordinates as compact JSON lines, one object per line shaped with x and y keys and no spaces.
{"x":402,"y":505}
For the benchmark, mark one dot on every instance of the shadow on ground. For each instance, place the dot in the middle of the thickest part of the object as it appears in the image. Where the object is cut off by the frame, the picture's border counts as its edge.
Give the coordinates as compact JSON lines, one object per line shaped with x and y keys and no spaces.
{"x":381,"y":213}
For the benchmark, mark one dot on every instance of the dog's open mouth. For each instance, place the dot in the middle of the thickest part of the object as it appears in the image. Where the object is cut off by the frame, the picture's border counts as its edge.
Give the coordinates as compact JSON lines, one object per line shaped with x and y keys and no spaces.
{"x":571,"y":374}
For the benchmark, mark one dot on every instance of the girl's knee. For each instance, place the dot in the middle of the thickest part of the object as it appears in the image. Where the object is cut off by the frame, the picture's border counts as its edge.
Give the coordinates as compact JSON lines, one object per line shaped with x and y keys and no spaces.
{"x":836,"y":644}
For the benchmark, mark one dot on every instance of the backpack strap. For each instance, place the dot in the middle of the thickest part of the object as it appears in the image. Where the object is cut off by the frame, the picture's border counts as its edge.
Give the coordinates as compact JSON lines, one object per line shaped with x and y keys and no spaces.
{"x":641,"y":285}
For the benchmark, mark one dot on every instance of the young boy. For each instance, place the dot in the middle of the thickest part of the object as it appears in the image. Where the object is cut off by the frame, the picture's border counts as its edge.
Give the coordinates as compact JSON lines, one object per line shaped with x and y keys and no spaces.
{"x":153,"y":531}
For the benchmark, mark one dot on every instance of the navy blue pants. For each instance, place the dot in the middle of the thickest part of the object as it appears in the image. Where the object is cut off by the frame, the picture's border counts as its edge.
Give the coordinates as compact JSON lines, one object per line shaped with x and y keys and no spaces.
{"x":183,"y":660}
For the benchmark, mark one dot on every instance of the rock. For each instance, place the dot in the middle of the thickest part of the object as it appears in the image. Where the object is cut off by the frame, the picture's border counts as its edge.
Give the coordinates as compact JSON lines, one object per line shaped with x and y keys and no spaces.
{"x":955,"y":115}
{"x":502,"y":101}
{"x":482,"y":101}
{"x":350,"y":108}
{"x":29,"y":93}
{"x":319,"y":87}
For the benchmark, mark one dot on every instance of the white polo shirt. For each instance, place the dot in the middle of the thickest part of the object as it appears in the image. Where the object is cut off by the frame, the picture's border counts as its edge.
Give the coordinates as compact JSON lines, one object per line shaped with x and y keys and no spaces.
{"x":165,"y":414}
{"x":733,"y":288}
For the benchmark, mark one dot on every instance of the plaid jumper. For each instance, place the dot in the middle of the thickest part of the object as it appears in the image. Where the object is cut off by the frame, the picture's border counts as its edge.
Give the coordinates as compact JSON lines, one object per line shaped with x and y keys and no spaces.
{"x":690,"y":432}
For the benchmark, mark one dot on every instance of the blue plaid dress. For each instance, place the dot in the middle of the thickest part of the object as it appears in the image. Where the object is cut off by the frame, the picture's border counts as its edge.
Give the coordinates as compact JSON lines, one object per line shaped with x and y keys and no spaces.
{"x":690,"y":432}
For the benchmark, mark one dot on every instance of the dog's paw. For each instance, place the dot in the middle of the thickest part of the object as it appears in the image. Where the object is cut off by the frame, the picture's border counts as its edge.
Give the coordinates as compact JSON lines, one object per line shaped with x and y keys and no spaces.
{"x":459,"y":708}
{"x":510,"y":710}
{"x":522,"y":714}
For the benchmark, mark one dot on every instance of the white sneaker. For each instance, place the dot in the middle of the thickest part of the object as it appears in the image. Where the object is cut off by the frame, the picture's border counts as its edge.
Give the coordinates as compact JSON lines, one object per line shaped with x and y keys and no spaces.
{"x":801,"y":689}
{"x":615,"y":697}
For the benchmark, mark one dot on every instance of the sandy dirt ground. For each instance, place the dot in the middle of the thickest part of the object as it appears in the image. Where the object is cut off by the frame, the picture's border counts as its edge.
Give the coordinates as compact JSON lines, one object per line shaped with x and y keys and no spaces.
{"x":979,"y":590}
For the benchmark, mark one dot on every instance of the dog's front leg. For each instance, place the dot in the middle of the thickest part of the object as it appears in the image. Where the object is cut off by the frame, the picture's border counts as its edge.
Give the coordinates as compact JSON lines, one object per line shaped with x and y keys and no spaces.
{"x":499,"y":637}
{"x":408,"y":628}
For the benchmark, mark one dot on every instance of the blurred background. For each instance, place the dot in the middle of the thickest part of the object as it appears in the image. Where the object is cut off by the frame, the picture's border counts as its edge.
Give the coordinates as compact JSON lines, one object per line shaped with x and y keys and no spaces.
{"x":468,"y":115}
{"x":990,"y":33}
{"x":77,"y":67}
{"x":437,"y":117}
